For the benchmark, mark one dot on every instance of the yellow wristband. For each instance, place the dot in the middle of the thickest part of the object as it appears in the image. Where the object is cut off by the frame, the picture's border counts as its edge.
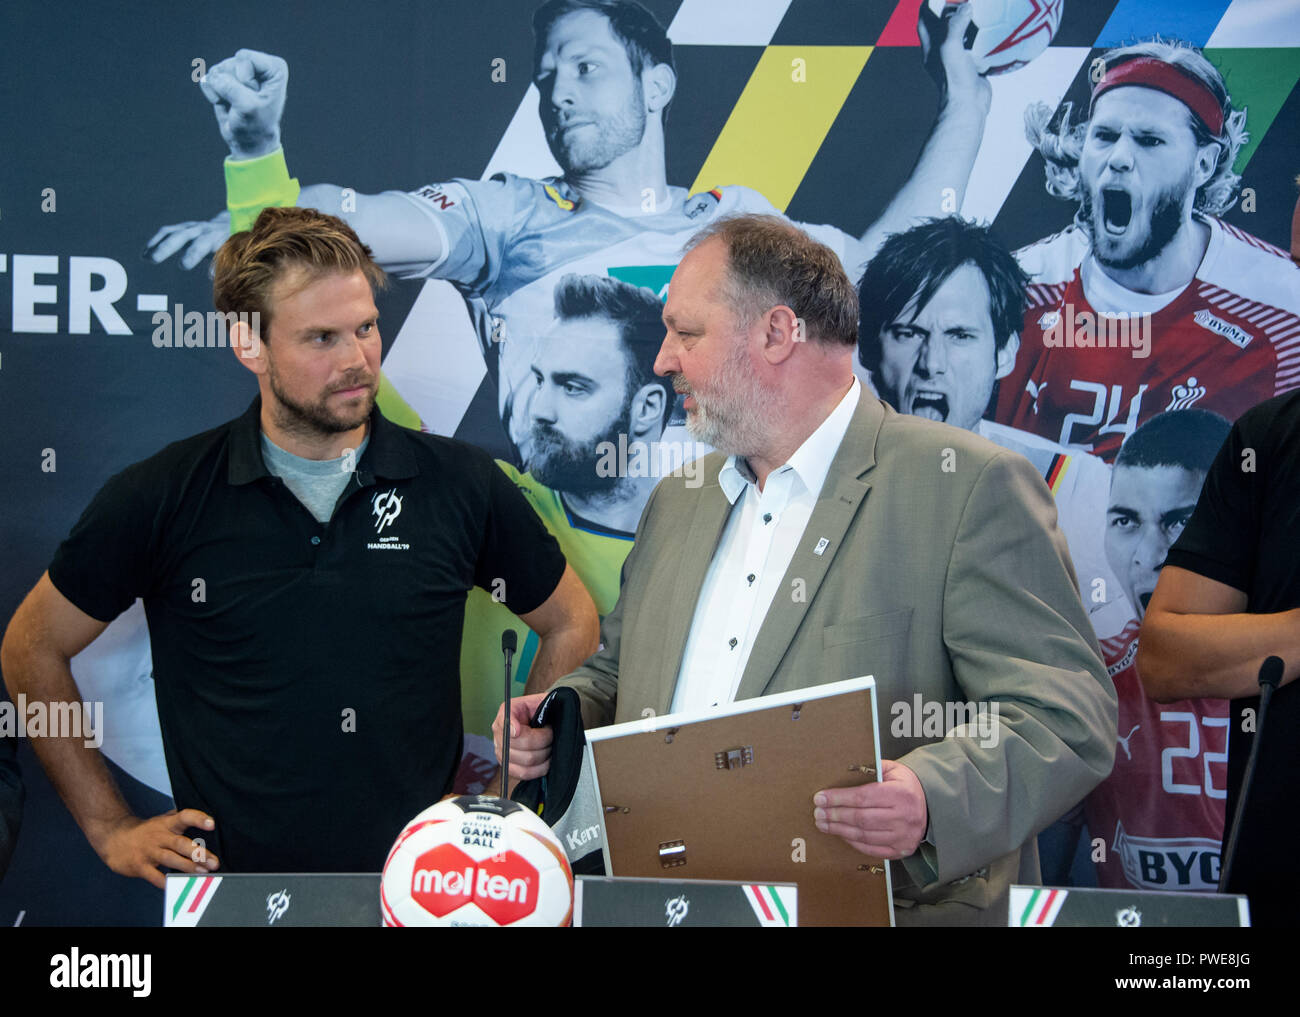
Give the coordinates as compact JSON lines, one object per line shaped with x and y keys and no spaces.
{"x":255,"y":184}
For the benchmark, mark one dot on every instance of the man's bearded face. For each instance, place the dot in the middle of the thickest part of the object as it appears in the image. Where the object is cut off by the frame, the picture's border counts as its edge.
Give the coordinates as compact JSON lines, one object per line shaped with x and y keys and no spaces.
{"x":1137,"y":174}
{"x":581,"y":399}
{"x":563,"y":464}
{"x":731,"y":413}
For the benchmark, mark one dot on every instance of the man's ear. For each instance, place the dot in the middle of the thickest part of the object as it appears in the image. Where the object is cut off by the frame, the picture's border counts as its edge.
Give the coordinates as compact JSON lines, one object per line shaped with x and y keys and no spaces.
{"x":1006,"y":358}
{"x":783,"y":331}
{"x":659,"y":84}
{"x":247,"y":347}
{"x":1207,"y":161}
{"x":647,"y":410}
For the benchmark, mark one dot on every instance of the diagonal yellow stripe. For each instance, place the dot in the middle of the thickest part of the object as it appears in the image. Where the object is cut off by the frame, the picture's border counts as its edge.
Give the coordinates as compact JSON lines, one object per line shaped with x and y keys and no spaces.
{"x":781,"y":119}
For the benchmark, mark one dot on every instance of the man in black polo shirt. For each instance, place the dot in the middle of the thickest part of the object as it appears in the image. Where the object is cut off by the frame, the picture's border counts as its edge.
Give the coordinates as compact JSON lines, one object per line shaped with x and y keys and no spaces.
{"x":1227,"y":598}
{"x":304,"y":570}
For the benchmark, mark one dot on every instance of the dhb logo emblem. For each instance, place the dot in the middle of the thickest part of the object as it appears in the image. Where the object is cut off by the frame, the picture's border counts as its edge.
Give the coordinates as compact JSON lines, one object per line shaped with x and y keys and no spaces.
{"x":276,"y":905}
{"x":386,"y":506}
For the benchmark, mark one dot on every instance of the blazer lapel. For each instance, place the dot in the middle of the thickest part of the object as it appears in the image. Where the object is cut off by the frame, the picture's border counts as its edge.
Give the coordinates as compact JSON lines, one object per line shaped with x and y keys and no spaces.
{"x":842,"y":495}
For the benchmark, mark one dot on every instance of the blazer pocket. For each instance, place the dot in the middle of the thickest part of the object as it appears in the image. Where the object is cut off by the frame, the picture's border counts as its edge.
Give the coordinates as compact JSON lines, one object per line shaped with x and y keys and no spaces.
{"x":877,"y":645}
{"x":864,"y":630}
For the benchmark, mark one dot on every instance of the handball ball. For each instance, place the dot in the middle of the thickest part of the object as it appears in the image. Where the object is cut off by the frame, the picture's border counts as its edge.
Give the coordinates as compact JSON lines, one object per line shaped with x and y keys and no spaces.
{"x":476,"y":860}
{"x":1007,"y":33}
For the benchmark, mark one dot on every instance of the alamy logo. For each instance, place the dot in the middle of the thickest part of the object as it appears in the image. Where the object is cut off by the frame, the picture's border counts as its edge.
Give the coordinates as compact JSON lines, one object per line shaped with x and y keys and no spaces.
{"x":650,"y":459}
{"x":39,"y":719}
{"x":1070,"y":329}
{"x":184,"y":329}
{"x":921,"y":718}
{"x":75,"y":970}
{"x":386,"y":506}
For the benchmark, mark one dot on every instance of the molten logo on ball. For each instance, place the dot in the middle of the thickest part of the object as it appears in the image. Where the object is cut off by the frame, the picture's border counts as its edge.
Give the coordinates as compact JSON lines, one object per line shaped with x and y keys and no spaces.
{"x":476,"y":861}
{"x":503,"y":886}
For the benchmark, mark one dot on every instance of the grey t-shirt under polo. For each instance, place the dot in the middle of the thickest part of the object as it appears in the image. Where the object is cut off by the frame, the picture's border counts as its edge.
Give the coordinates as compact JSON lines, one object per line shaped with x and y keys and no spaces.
{"x":317,"y":483}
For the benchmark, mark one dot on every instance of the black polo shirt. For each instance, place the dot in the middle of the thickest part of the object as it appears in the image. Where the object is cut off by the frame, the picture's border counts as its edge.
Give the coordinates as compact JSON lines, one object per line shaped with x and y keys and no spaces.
{"x":307,"y":674}
{"x":1245,"y":533}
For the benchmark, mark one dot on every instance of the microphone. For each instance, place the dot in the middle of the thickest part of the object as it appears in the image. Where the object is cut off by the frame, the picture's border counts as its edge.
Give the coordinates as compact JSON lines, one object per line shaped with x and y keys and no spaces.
{"x":1270,"y":672}
{"x":509,"y":644}
{"x":1270,"y":676}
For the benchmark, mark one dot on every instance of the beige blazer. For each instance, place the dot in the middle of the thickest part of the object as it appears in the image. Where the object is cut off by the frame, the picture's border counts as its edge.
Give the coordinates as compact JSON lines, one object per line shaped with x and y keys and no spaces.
{"x":945,"y":575}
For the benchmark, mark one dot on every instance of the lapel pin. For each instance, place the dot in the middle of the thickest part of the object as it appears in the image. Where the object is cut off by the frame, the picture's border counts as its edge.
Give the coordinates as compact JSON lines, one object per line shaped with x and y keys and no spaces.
{"x":822,"y":545}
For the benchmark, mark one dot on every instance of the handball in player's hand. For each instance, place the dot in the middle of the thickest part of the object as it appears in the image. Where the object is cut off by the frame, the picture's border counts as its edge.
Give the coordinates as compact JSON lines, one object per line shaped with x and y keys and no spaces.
{"x":1002,"y":35}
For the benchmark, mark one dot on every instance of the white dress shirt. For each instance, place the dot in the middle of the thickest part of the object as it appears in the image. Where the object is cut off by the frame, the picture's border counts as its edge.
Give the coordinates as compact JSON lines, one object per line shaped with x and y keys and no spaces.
{"x":758,"y":542}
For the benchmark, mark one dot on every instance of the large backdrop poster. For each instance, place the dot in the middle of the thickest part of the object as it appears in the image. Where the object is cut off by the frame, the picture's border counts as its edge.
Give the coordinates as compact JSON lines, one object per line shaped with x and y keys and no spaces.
{"x":1148,"y":302}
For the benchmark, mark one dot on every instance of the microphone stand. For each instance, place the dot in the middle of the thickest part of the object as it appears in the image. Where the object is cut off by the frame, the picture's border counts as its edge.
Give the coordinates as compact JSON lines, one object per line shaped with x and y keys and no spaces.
{"x":509,"y":643}
{"x":1270,"y":674}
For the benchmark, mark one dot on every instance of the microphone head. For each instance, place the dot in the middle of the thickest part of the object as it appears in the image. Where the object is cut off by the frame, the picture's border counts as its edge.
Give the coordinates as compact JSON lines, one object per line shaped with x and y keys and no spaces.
{"x":1270,"y":672}
{"x":509,"y":641}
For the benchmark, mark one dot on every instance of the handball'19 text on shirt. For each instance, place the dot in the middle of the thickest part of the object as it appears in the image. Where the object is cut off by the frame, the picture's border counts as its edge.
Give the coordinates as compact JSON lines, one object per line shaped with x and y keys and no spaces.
{"x":306,"y":672}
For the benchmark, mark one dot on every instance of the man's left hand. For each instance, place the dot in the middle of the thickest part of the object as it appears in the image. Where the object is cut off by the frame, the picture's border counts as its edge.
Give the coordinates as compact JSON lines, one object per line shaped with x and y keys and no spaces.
{"x":886,"y":819}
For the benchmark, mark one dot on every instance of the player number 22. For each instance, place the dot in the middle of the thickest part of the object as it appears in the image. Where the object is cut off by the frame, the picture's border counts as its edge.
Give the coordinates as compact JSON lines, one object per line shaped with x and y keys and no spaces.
{"x":1191,"y":751}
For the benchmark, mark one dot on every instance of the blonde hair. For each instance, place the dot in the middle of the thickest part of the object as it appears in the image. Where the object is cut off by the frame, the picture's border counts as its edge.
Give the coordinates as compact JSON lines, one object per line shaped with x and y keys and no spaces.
{"x":250,"y":263}
{"x":1060,"y":142}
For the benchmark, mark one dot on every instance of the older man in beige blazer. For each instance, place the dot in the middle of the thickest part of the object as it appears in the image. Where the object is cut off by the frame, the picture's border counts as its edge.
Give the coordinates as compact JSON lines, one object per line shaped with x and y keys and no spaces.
{"x":832,"y":537}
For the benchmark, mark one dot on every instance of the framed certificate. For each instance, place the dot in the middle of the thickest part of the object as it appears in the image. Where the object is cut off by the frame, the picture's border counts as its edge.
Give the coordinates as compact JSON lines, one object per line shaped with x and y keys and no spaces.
{"x":728,"y":794}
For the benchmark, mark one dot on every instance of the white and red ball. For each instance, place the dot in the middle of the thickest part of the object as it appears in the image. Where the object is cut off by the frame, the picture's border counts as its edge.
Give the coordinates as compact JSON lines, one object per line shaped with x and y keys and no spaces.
{"x":1008,"y":33}
{"x":476,"y":860}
